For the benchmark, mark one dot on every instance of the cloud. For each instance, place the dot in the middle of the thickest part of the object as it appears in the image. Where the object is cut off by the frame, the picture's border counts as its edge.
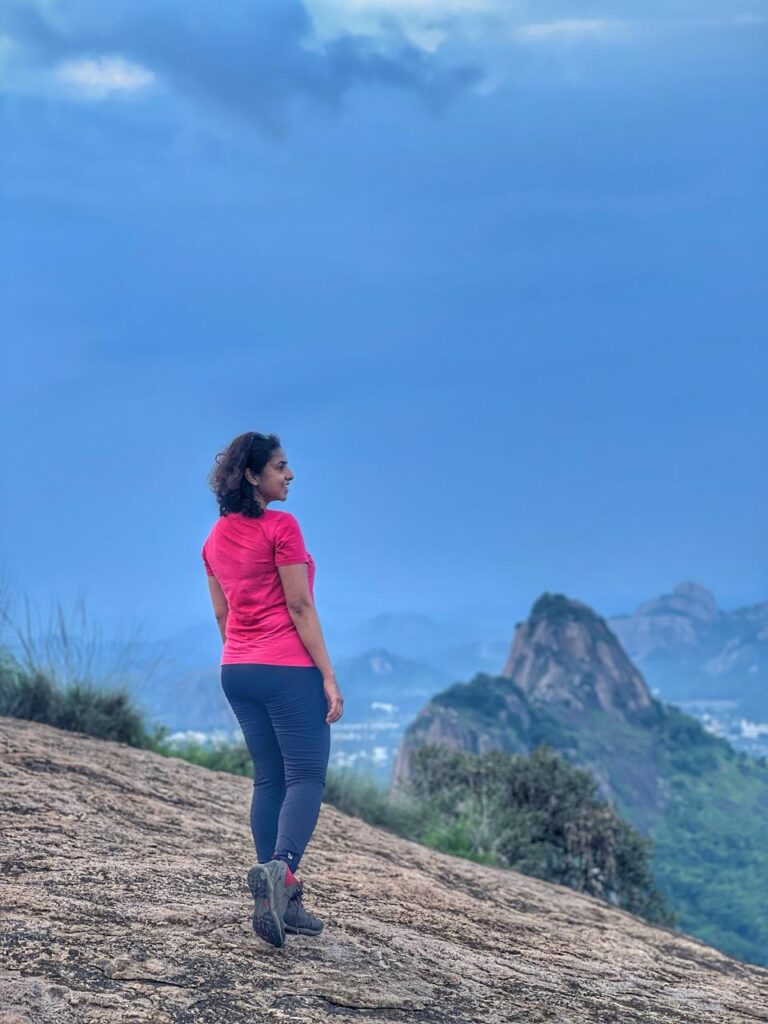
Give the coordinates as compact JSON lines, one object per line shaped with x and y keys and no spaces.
{"x":430,"y":23}
{"x":104,"y":75}
{"x":425,"y":23}
{"x":255,"y":60}
{"x":260,"y":59}
{"x":573,"y":30}
{"x":483,"y":24}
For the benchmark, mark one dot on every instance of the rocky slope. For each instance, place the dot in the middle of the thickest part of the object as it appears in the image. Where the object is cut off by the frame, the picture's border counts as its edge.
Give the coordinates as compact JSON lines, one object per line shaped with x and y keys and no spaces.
{"x":124,"y":900}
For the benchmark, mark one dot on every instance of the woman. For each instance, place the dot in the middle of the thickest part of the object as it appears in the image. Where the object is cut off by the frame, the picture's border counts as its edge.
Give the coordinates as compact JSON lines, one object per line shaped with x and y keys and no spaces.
{"x":275,"y":670}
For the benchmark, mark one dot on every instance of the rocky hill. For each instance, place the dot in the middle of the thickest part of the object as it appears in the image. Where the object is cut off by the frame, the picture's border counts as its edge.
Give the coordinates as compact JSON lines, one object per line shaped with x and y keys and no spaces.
{"x":565,"y":672}
{"x":124,"y":900}
{"x":568,"y":683}
{"x":566,"y":656}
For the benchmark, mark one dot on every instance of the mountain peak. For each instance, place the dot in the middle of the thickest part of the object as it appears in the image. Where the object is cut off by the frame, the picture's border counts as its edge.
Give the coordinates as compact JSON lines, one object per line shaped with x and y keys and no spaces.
{"x":694,"y":590}
{"x":558,"y":606}
{"x":688,"y":598}
{"x":565,"y":654}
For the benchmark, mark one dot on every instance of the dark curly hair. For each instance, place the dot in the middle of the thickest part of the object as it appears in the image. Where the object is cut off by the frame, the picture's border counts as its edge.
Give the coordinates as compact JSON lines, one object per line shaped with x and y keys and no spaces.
{"x":227,"y":478}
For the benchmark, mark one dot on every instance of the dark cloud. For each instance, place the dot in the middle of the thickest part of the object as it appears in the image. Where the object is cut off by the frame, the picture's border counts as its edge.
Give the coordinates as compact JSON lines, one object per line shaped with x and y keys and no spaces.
{"x":252,"y":58}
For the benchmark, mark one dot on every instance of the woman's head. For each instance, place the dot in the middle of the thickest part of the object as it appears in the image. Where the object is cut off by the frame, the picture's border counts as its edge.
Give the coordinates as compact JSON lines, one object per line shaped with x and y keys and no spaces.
{"x":249,"y":473}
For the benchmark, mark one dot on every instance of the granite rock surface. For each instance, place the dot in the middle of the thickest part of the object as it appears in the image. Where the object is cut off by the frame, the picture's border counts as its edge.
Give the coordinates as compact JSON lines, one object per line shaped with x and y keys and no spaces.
{"x":123,"y":896}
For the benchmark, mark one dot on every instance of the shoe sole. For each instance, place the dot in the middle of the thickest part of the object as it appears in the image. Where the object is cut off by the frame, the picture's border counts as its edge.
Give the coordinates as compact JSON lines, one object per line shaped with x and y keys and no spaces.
{"x":303,"y":931}
{"x":267,"y":922}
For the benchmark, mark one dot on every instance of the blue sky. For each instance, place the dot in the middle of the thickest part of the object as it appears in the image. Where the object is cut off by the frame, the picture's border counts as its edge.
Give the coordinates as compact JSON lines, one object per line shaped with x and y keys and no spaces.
{"x":493,"y":272}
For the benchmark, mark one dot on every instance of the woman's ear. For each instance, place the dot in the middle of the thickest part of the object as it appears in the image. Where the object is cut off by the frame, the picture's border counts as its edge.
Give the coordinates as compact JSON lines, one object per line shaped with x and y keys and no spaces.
{"x":251,"y":478}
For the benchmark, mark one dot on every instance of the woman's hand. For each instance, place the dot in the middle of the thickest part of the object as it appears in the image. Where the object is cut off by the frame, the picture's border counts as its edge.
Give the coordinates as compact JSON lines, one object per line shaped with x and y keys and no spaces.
{"x":334,"y":698}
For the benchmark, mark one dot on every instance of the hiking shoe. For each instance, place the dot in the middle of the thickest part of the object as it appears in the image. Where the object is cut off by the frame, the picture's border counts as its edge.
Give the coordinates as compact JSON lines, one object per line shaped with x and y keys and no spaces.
{"x":297,"y":919}
{"x":271,"y":896}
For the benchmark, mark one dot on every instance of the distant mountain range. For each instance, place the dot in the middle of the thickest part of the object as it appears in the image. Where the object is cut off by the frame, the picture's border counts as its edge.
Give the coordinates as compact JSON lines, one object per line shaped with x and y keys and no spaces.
{"x":689,"y":649}
{"x":568,"y":683}
{"x":393,"y":659}
{"x":457,"y":649}
{"x":686,"y":648}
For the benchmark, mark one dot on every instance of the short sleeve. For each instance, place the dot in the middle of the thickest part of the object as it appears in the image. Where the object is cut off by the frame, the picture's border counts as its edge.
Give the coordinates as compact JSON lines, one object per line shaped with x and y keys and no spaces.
{"x":289,"y":543}
{"x":206,"y":563}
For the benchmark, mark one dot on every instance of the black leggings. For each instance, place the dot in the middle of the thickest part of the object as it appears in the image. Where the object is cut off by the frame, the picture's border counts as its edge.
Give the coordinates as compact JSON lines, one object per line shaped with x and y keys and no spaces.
{"x":281,"y":710}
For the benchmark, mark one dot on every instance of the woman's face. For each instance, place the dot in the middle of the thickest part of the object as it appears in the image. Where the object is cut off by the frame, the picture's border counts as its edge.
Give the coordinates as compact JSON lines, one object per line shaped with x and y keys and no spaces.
{"x":274,"y":479}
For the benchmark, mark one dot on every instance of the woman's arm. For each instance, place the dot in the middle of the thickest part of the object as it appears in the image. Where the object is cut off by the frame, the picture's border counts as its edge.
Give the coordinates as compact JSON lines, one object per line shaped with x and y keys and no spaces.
{"x":302,"y":610}
{"x":220,"y":606}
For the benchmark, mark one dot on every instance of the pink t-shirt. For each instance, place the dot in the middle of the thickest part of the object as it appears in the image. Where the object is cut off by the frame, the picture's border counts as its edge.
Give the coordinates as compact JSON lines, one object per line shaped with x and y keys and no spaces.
{"x":243,"y":554}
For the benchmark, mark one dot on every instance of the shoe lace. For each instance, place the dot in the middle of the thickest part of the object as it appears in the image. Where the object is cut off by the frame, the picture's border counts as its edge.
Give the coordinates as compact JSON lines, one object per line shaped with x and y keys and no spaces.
{"x":299,"y":892}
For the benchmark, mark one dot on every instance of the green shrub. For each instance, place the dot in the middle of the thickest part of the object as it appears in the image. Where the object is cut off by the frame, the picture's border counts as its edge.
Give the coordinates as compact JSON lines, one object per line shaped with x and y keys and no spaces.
{"x":358,"y":794}
{"x":108,"y":714}
{"x":33,"y":697}
{"x":540,"y":816}
{"x":221,"y":757}
{"x":456,"y":837}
